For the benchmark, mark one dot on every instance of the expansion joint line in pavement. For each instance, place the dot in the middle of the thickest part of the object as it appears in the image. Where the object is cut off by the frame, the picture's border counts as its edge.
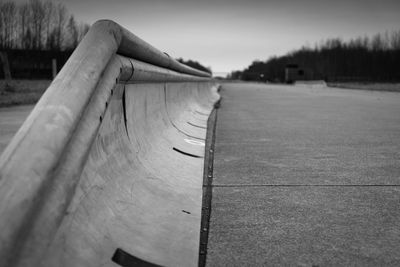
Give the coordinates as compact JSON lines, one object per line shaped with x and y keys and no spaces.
{"x":207,"y":187}
{"x":304,"y":185}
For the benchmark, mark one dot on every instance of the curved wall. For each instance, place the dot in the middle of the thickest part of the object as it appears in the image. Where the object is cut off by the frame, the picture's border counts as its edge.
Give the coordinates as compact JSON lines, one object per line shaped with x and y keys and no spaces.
{"x":110,"y":160}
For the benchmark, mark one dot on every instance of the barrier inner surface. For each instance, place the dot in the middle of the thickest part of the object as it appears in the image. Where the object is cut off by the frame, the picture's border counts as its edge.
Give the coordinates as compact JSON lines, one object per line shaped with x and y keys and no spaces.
{"x":136,"y":192}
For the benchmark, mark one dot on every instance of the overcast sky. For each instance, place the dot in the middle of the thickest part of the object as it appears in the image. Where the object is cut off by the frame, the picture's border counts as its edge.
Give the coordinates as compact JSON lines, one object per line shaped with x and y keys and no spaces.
{"x":229,"y":34}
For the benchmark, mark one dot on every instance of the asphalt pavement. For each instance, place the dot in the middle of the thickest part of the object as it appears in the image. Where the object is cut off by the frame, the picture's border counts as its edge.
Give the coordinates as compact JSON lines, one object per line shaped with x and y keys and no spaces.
{"x":305,"y":177}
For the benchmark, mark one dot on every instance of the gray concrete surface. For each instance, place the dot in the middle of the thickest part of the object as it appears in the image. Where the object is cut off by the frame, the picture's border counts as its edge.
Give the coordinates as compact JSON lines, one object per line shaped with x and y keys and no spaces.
{"x":306,"y":177}
{"x":11,"y":118}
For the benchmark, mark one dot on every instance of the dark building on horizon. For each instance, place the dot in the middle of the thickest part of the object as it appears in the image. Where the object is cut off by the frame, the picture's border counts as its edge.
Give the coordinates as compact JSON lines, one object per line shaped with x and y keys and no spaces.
{"x":293,"y":73}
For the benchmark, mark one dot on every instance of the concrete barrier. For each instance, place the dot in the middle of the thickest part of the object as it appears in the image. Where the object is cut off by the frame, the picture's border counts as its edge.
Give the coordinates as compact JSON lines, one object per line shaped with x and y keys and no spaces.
{"x":107,"y":170}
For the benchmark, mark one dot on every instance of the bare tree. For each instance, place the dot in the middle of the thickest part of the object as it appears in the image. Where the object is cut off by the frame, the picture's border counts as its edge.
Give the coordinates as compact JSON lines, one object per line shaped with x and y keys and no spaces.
{"x":83,"y":28}
{"x":37,"y":22}
{"x":395,"y":40}
{"x":8,"y":12}
{"x":377,"y":42}
{"x":1,"y":25}
{"x":60,"y":21}
{"x":49,"y":22}
{"x":23,"y":21}
{"x":73,"y":33}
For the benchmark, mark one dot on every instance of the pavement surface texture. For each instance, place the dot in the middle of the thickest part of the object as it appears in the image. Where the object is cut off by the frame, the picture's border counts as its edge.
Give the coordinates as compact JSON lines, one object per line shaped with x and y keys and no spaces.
{"x":11,"y":118}
{"x":305,"y":176}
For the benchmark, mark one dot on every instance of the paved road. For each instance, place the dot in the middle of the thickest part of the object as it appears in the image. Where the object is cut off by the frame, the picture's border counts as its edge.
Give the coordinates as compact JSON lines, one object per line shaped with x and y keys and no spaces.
{"x":306,"y":176}
{"x":11,"y":118}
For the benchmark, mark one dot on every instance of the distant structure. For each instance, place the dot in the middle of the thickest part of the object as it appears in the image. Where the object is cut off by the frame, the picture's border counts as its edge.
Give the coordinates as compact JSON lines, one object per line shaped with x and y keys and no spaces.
{"x":293,"y":73}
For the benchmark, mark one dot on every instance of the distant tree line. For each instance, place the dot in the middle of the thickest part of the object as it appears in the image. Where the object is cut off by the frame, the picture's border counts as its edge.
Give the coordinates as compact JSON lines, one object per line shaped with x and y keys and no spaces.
{"x":375,"y":58}
{"x":195,"y":65}
{"x":34,"y":34}
{"x":38,"y":25}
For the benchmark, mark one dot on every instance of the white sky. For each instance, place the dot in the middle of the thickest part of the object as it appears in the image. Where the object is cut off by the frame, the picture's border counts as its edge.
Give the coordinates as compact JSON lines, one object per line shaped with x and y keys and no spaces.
{"x":229,"y":34}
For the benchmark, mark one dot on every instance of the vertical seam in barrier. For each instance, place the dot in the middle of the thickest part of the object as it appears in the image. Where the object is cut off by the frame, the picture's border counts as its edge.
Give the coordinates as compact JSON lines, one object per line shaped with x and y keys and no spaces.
{"x":186,"y":153}
{"x":132,"y":69}
{"x":207,"y":187}
{"x":125,"y":259}
{"x":124,"y":111}
{"x":197,"y":126}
